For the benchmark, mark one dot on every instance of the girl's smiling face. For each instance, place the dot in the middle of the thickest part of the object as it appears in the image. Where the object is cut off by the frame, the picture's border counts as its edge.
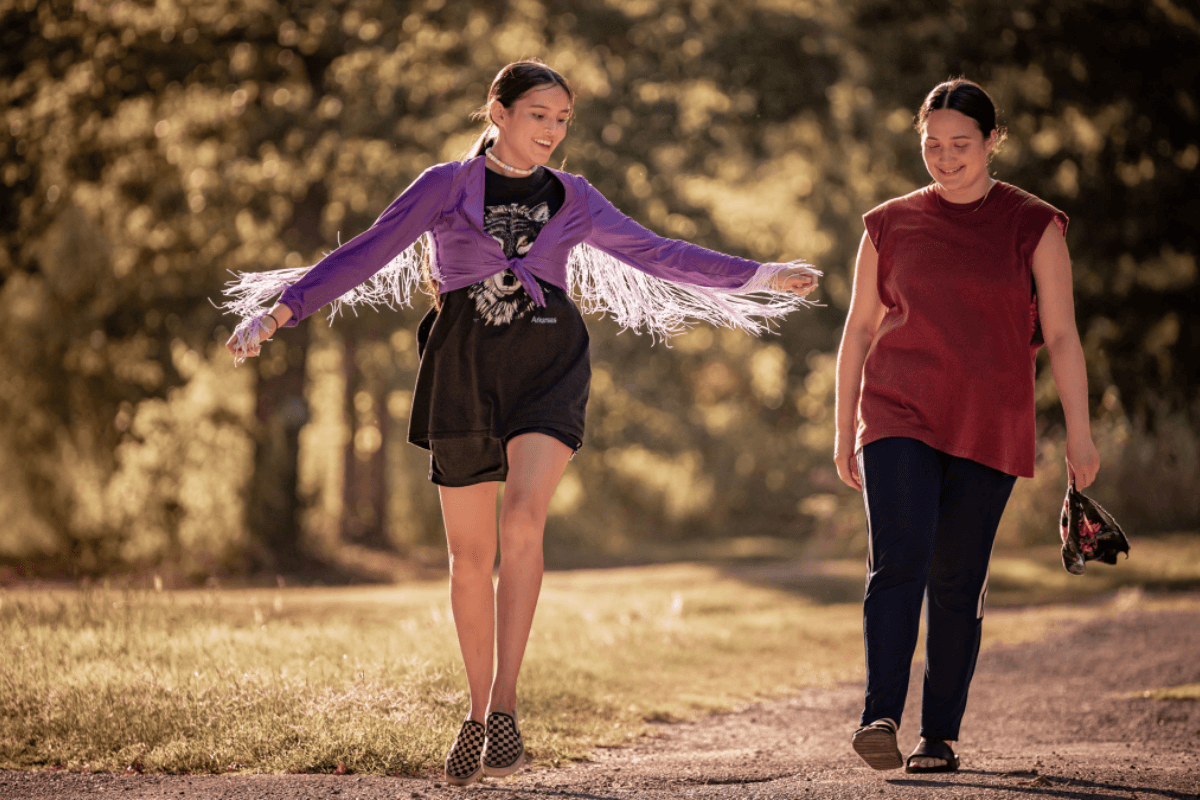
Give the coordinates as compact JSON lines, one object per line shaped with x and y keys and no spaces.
{"x":532,"y":126}
{"x":956,"y":155}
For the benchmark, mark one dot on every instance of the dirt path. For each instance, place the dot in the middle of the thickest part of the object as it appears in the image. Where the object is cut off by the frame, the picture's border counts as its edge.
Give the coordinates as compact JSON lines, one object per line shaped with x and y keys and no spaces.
{"x":1047,"y":720}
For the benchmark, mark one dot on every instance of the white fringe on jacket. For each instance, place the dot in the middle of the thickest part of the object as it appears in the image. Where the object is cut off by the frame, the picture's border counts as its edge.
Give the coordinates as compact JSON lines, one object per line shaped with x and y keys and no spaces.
{"x":599,"y":283}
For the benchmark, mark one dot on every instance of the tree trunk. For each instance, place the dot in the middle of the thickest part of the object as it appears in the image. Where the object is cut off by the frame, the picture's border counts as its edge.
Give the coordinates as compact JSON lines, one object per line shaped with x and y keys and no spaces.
{"x":364,"y":489}
{"x":273,"y":506}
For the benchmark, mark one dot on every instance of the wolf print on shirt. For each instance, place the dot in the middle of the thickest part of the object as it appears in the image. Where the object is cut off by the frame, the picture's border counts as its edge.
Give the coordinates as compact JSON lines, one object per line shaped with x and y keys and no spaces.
{"x":500,"y":299}
{"x":515,"y":226}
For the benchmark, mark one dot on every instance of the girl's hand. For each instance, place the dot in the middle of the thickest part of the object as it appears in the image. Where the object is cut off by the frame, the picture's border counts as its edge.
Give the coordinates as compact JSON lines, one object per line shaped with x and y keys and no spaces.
{"x":798,"y":280}
{"x":246,"y":342}
{"x":1083,"y":460}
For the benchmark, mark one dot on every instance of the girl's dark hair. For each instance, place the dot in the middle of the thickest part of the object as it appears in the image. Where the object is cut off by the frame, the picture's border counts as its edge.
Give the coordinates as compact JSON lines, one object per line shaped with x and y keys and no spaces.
{"x":510,"y":84}
{"x":965,"y":97}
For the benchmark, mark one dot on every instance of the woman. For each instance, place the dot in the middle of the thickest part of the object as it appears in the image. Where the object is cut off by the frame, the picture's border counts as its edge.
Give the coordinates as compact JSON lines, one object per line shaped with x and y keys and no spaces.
{"x":504,"y":374}
{"x":935,"y":381}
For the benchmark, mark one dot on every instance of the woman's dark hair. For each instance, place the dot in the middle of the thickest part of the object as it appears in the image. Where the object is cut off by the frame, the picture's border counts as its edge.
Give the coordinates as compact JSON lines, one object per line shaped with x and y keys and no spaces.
{"x":509,"y":85}
{"x":965,"y":97}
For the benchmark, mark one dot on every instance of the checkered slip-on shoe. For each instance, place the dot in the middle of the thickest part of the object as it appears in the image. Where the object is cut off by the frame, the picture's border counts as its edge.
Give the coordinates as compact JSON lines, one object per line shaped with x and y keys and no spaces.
{"x":462,"y":762}
{"x":504,"y":749}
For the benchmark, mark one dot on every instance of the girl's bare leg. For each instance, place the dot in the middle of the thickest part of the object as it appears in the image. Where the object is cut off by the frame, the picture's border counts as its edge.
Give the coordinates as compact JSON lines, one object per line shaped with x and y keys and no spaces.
{"x":535,"y":465}
{"x":470,"y":516}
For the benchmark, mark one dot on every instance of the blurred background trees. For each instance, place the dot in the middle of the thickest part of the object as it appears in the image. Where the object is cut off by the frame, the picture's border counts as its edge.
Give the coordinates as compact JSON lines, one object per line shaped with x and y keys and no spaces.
{"x":148,"y":148}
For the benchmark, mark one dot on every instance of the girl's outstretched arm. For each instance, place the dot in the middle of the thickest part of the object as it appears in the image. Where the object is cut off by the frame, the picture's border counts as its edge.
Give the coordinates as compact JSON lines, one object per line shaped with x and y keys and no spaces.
{"x":678,"y":261}
{"x":349,"y":273}
{"x":663,"y":285}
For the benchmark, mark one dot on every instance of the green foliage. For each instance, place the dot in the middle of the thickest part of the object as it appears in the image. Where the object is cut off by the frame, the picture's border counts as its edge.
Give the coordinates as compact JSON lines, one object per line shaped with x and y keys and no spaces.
{"x":147,"y":149}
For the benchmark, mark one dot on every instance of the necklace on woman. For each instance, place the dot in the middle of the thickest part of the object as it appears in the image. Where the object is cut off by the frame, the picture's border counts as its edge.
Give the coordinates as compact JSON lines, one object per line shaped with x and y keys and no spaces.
{"x":982,"y":200}
{"x":986,"y":192}
{"x":509,"y":168}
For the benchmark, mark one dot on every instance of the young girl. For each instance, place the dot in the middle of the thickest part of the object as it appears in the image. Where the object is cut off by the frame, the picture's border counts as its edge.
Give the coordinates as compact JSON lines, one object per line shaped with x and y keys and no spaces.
{"x":503,"y":381}
{"x":935,"y":395}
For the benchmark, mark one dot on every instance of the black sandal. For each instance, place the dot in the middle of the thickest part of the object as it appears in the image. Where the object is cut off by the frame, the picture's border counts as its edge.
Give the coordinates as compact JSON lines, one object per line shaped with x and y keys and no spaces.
{"x":876,"y":743}
{"x":932,"y":748}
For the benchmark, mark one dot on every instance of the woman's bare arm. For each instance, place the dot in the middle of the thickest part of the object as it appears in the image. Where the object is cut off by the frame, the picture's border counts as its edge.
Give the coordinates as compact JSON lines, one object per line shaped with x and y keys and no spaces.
{"x":1056,"y":310}
{"x":862,"y":321}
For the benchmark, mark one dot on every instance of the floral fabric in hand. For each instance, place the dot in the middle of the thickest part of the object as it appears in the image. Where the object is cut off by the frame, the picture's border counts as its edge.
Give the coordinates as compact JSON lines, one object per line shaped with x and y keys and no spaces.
{"x":1089,"y":533}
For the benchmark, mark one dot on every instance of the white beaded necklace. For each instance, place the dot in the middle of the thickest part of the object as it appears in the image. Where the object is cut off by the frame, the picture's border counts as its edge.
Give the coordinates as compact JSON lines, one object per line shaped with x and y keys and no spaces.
{"x":510,"y":169}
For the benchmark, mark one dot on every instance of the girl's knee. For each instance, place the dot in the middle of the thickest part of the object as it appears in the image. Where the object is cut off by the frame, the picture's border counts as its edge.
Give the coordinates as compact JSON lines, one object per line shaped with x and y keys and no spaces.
{"x":471,"y":562}
{"x":523,"y":549}
{"x":523,"y":516}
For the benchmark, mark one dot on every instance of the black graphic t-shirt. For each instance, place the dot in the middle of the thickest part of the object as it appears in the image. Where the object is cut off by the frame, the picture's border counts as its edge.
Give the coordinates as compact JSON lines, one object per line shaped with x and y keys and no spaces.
{"x":515,"y":209}
{"x":493,"y":363}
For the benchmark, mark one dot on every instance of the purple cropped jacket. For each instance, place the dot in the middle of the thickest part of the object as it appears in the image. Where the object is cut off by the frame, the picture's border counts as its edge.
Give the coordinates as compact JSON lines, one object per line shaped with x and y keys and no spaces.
{"x":447,"y":201}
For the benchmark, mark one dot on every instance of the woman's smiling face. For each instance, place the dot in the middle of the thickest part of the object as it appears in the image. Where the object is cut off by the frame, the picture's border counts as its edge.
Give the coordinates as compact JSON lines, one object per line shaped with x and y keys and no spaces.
{"x":532,"y":126}
{"x":956,"y":155}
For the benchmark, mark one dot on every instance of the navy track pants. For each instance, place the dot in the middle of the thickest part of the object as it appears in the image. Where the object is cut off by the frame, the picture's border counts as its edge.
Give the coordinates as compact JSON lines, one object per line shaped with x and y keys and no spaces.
{"x":931,"y":522}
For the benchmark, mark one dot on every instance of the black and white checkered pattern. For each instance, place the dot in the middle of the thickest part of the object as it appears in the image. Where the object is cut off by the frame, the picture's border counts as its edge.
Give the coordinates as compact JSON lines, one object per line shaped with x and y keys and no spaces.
{"x":462,"y":762}
{"x":504,"y":750}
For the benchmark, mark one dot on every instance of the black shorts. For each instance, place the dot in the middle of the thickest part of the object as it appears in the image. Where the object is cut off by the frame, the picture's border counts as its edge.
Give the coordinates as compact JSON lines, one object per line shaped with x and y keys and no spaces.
{"x":468,"y":460}
{"x":480,"y":380}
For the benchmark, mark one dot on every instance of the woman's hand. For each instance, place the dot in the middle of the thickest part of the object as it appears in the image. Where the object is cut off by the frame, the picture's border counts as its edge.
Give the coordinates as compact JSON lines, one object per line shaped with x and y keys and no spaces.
{"x":1083,"y":460}
{"x":798,"y":280}
{"x":847,"y":465}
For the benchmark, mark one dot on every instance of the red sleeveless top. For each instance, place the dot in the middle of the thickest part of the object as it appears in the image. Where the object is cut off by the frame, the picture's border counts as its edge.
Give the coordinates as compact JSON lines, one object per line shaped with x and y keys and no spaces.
{"x":952,"y":364}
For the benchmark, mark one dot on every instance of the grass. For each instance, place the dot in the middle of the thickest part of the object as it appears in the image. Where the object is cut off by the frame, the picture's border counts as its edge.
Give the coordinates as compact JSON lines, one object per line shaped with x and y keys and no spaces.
{"x":368,"y":680}
{"x":1188,"y":691}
